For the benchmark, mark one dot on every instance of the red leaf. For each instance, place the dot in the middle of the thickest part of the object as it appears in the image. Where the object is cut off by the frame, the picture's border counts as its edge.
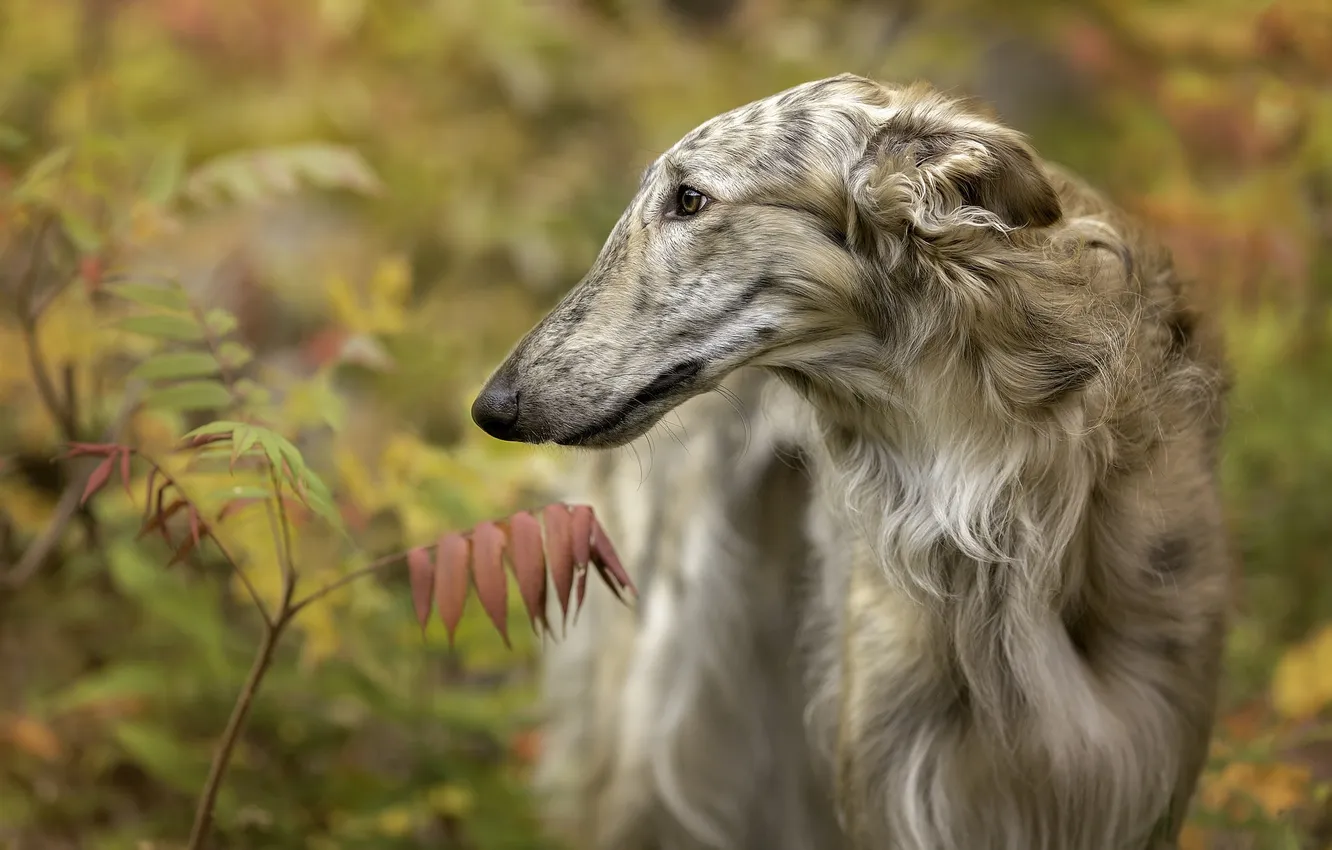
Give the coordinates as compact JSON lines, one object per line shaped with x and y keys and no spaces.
{"x":98,"y":478}
{"x":559,"y":554}
{"x":125,"y":470}
{"x":195,"y":523}
{"x":205,"y":439}
{"x":525,"y":745}
{"x":186,"y":546}
{"x":488,"y":575}
{"x":90,"y":271}
{"x":324,"y":346}
{"x":582,"y":534}
{"x":76,"y":449}
{"x":422,"y":575}
{"x":608,"y":562}
{"x":580,"y":591}
{"x":233,"y":506}
{"x":353,"y":515}
{"x":159,"y":519}
{"x":529,"y":566}
{"x":297,"y":512}
{"x":451,"y":580}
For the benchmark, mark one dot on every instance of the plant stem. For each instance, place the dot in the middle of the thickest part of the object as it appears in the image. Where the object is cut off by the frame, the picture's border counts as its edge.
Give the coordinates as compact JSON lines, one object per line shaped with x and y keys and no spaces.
{"x":61,"y":410}
{"x":354,"y":575}
{"x":263,"y":659}
{"x":284,"y":552}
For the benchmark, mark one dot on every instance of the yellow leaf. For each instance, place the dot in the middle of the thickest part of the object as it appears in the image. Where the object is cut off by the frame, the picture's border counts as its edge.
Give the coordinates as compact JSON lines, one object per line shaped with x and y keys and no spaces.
{"x":395,"y":822}
{"x":1302,"y":681}
{"x":32,"y":737}
{"x":381,"y":308}
{"x":322,"y":635}
{"x":1194,"y":838}
{"x":68,"y":330}
{"x":452,"y":800}
{"x":356,"y":480}
{"x":1276,"y":788}
{"x":392,"y":282}
{"x":249,"y":538}
{"x":14,"y":370}
{"x":344,"y":304}
{"x":1283,"y":787}
{"x":148,"y":222}
{"x":314,"y":404}
{"x":28,"y":510}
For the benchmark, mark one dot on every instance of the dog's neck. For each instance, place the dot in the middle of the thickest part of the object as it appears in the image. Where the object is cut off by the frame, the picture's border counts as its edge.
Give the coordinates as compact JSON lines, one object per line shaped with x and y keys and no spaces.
{"x":977,"y":518}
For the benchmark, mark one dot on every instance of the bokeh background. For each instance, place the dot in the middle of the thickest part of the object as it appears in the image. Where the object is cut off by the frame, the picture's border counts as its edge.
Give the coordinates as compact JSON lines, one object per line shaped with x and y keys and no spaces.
{"x":385,"y":194}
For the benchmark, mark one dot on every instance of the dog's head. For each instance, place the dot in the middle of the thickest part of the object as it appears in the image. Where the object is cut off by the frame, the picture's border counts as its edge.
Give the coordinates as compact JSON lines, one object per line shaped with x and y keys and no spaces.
{"x":775,"y":234}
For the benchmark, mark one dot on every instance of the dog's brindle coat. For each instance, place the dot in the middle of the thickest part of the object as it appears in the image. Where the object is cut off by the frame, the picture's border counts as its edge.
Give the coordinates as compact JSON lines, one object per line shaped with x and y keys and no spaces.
{"x":947,"y":570}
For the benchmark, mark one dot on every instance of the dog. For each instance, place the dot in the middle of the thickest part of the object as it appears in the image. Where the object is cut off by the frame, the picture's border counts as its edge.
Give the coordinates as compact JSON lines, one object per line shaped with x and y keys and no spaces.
{"x":929,"y":538}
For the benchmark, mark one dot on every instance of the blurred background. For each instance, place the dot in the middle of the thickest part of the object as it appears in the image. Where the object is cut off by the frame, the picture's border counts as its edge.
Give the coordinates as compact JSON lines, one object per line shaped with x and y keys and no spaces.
{"x":383,"y":196}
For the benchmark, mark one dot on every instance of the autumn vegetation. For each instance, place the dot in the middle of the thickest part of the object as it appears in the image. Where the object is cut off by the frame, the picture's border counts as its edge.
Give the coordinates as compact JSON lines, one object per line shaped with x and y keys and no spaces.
{"x":258,"y":571}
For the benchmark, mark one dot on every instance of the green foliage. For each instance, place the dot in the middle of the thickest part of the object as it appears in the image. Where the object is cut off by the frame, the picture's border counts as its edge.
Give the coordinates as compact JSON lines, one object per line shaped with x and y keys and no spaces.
{"x":364,"y":204}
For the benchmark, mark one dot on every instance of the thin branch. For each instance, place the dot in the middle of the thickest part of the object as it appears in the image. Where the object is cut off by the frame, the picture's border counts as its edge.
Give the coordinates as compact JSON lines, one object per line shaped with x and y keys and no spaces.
{"x":226,"y":746}
{"x":68,"y":505}
{"x":71,"y":395}
{"x":372,"y":567}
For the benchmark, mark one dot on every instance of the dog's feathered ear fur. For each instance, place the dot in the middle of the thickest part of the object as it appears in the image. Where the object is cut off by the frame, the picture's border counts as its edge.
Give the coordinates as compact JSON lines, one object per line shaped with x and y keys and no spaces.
{"x":933,"y":167}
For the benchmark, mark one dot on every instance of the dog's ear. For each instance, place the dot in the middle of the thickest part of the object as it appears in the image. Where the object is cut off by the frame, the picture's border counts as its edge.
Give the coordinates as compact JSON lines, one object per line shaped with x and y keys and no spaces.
{"x":933,"y":167}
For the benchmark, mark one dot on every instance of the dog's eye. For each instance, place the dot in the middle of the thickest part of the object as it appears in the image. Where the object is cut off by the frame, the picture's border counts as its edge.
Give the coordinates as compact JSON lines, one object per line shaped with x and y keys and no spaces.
{"x":689,"y":201}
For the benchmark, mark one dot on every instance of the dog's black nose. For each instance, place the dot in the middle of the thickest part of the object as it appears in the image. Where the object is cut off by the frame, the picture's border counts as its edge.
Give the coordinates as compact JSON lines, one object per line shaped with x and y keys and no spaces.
{"x":496,"y":409}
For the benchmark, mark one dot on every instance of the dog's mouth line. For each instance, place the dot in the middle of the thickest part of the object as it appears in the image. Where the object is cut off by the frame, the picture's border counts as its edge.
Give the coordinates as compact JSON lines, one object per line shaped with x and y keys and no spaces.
{"x":660,"y":387}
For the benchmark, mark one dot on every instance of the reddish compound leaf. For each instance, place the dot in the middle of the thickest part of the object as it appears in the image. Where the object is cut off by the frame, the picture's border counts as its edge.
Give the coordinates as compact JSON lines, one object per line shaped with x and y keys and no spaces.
{"x":529,"y":566}
{"x":422,"y":575}
{"x":451,"y":555}
{"x":125,"y":471}
{"x":608,"y":562}
{"x":488,"y":575}
{"x":559,"y":553}
{"x":98,"y":478}
{"x":581,"y":522}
